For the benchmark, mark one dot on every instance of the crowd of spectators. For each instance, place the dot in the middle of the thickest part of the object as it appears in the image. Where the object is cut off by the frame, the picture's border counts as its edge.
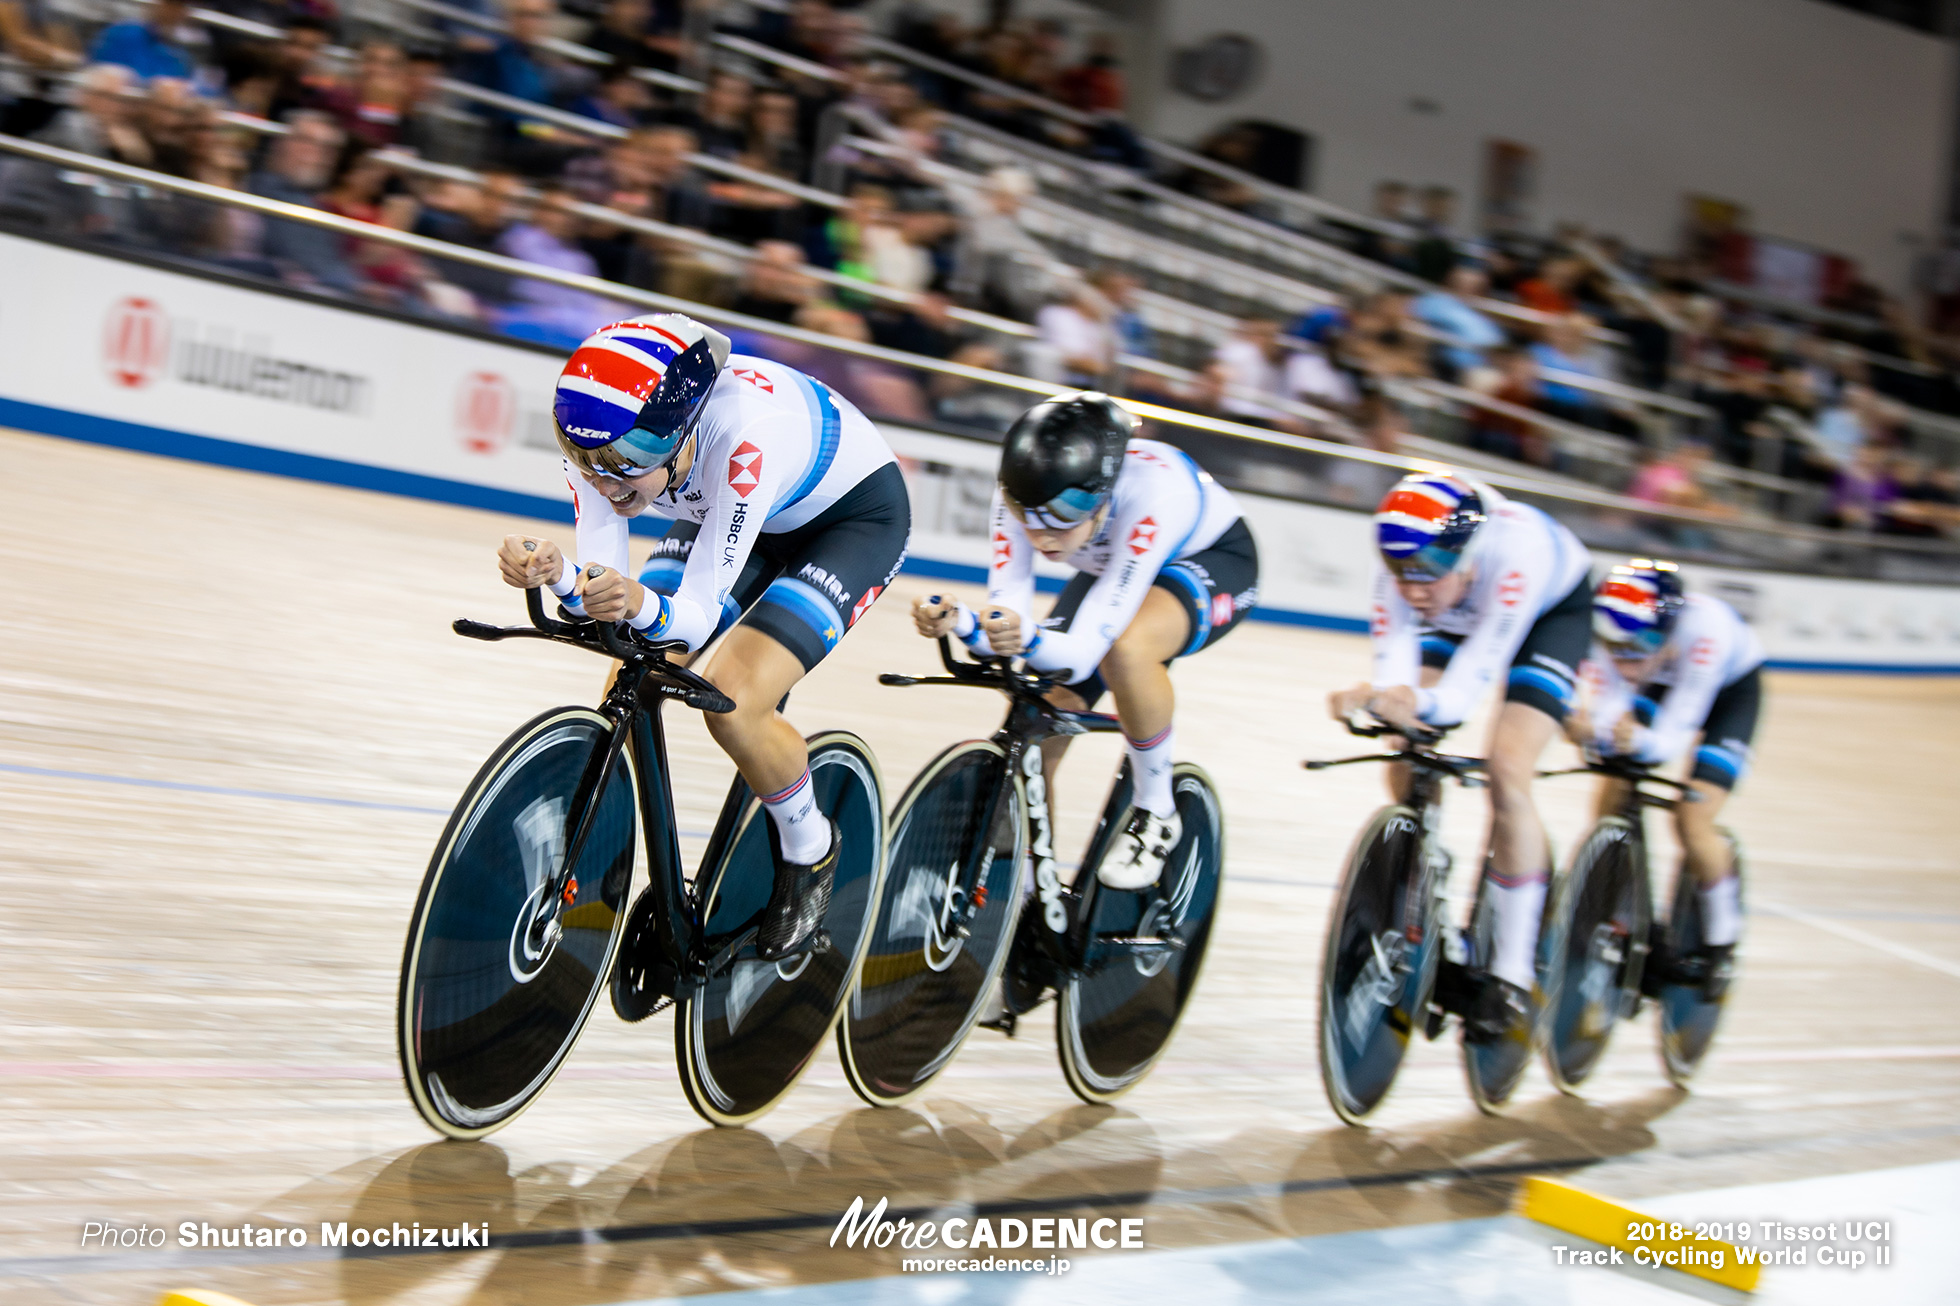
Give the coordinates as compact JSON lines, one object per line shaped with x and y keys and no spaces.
{"x":1525,"y":340}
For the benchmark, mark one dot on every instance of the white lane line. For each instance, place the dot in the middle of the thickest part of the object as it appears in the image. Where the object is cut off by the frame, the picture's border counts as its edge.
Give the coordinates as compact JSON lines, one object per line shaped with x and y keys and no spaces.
{"x":1848,"y":862}
{"x":1865,"y":937}
{"x":1773,"y":1057}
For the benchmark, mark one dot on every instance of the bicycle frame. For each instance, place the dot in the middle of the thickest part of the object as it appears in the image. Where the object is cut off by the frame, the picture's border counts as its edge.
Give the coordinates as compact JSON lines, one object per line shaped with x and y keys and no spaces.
{"x":644,"y":682}
{"x":1030,"y":720}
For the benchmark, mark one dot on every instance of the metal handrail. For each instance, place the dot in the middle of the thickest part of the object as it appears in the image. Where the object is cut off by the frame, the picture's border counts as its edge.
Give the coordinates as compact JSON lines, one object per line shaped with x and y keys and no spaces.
{"x":377,"y":234}
{"x":557,"y":45}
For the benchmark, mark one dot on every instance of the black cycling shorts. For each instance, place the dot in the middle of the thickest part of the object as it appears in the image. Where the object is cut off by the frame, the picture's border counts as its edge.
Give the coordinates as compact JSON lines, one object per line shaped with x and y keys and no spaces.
{"x":1545,"y":672}
{"x":804,"y":588}
{"x":1217,"y":586}
{"x":1726,"y":733}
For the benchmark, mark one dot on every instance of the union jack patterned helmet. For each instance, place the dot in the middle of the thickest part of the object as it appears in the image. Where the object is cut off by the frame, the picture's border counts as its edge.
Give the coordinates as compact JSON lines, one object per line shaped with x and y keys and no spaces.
{"x":1636,"y":606}
{"x":1427,"y":525}
{"x":632,"y":391}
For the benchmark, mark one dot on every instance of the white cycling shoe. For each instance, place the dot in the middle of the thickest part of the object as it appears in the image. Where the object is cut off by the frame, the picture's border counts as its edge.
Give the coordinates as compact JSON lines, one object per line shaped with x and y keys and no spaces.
{"x":1137,"y":857}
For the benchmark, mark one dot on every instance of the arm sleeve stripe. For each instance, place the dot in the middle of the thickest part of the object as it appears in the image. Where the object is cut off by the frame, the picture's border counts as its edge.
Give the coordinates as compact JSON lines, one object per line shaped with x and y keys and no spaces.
{"x":828,"y":425}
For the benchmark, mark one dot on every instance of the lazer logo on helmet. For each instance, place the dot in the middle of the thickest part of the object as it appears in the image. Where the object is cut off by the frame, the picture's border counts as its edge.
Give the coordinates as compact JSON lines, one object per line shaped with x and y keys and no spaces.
{"x":588,"y":433}
{"x":1047,"y":885}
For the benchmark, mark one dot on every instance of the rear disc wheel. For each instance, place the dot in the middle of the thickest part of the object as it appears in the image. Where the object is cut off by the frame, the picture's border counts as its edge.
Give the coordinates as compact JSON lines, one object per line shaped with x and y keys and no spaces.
{"x":1687,"y":1024}
{"x":746,"y":1035}
{"x":1118,"y":1012}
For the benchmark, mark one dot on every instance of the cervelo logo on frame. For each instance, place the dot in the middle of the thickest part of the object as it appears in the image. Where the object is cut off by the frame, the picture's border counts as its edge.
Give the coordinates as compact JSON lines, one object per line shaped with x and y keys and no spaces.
{"x":870,"y":1229}
{"x":135,"y":342}
{"x":486,"y":412}
{"x":745,"y":469}
{"x":1046,"y":883}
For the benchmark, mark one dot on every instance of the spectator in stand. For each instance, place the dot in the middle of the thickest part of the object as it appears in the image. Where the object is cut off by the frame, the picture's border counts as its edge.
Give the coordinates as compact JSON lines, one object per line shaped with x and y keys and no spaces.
{"x":1467,"y":332}
{"x":999,"y":265}
{"x":1566,"y":347}
{"x":545,"y":311}
{"x":298,"y":165}
{"x":1858,"y":419}
{"x":641,"y":34}
{"x":1245,"y":375}
{"x":231,"y":238}
{"x":1078,"y":336}
{"x":1675,"y":479}
{"x":1379,"y":341}
{"x":102,"y":123}
{"x":619,"y":98}
{"x":520,"y":65}
{"x":163,"y":43}
{"x":1511,"y":378}
{"x":1379,"y":426}
{"x":476,"y":216}
{"x":30,"y":33}
{"x":430,"y":126}
{"x":1310,"y":377}
{"x":775,"y":141}
{"x":1862,"y":495}
{"x":1435,"y":253}
{"x":373,"y":107}
{"x":961,"y":401}
{"x":359,"y":191}
{"x":721,"y":120}
{"x":171,"y":118}
{"x":774,"y":284}
{"x":1096,"y":84}
{"x":297,"y":75}
{"x":1921,"y":506}
{"x":1550,"y":291}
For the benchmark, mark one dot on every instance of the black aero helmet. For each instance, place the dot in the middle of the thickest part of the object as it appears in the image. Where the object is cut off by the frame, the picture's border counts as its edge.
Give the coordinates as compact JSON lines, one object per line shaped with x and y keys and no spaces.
{"x":1059,"y":461}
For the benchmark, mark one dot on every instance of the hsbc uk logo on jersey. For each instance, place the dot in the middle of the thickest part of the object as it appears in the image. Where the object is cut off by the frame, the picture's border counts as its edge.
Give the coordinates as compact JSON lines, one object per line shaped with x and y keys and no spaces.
{"x":745,"y":469}
{"x":1143,"y":536}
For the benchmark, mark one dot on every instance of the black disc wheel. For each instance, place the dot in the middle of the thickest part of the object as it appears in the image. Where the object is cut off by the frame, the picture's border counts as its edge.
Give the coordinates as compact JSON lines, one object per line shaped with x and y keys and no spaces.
{"x":947,"y":915}
{"x":1373,"y":977}
{"x":1142,"y":953}
{"x":1595,"y":944}
{"x":1687,"y":1023}
{"x":750,"y":1031}
{"x":1493,"y":1068}
{"x":491,"y":1000}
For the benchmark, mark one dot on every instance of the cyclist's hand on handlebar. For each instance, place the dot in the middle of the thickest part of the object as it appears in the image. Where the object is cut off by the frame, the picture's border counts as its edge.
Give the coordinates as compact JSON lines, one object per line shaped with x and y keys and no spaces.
{"x":1579,"y":727}
{"x":1003,"y":628}
{"x":935,"y":615}
{"x":1624,"y":731}
{"x":528,"y":562}
{"x":609,"y":595}
{"x":1395,"y":705}
{"x":1343,"y":704}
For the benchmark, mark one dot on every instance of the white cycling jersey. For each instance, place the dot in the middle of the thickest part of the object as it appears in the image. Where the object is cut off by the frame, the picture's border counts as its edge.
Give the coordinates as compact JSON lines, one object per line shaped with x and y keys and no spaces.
{"x":1523,"y":569}
{"x":1163,"y":507}
{"x":773,"y":449}
{"x":1711,"y":648}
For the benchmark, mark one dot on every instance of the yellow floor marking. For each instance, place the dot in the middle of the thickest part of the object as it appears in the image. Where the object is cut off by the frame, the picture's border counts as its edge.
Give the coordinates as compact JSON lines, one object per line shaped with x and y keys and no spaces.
{"x":192,"y":1297}
{"x":1598,"y":1220}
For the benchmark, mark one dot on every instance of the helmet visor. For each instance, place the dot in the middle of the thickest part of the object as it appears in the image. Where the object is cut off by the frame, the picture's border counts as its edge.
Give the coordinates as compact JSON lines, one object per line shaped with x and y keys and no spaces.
{"x":1065,"y":511}
{"x":1425,"y":566}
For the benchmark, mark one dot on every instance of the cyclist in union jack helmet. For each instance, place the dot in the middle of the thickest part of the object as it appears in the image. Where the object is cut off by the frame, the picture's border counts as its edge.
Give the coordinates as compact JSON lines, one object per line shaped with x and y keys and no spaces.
{"x":1668,"y":666}
{"x":789,"y":519}
{"x":1164,"y":565}
{"x":1472,"y":587}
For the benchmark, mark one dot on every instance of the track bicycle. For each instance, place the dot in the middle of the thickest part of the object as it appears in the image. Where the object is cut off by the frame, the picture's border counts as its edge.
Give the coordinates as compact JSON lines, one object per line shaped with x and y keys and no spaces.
{"x":1606,"y":952}
{"x":522,"y":917}
{"x":973,"y":901}
{"x":1391,"y":964}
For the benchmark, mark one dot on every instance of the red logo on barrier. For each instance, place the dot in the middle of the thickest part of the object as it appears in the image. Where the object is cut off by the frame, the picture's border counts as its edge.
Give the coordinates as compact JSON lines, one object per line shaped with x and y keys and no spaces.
{"x":135,"y":342}
{"x":756,"y":379}
{"x":1142,"y":536}
{"x":745,"y":469}
{"x":486,"y":410}
{"x":870,"y":597}
{"x":1511,"y":589}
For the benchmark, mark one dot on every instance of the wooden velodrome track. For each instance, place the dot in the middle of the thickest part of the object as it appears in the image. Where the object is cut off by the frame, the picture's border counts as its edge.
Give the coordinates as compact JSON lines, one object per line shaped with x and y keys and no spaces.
{"x":232,"y":715}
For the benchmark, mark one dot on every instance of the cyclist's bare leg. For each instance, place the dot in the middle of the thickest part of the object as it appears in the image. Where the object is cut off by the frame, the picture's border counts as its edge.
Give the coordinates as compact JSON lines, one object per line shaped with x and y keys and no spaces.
{"x":1707,"y":852}
{"x":1520,"y":862}
{"x":756,"y":671}
{"x":1138,"y":679}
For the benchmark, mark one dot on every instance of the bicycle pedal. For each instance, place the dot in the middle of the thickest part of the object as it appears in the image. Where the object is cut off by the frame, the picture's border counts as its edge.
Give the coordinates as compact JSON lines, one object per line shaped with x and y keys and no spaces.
{"x":1003,"y":1023}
